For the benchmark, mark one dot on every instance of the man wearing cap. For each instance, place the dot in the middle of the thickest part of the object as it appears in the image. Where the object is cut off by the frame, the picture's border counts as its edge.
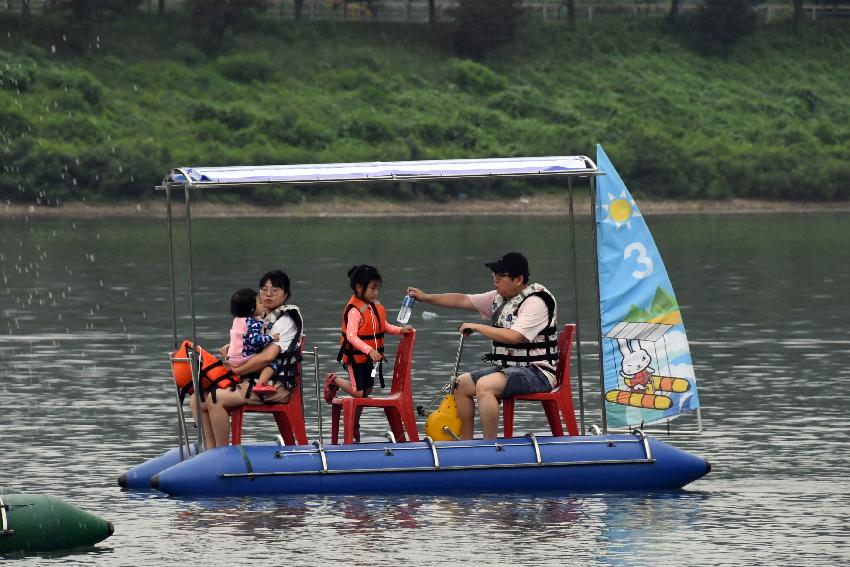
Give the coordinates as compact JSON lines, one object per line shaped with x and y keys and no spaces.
{"x":523,"y":328}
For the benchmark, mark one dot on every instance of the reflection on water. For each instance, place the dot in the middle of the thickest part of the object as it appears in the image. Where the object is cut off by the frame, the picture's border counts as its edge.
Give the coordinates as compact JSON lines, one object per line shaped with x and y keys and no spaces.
{"x":85,"y":329}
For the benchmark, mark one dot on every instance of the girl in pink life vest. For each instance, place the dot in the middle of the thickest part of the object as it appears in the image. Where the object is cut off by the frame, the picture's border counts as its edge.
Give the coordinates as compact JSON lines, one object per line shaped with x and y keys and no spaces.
{"x":248,"y":336}
{"x":364,"y":324}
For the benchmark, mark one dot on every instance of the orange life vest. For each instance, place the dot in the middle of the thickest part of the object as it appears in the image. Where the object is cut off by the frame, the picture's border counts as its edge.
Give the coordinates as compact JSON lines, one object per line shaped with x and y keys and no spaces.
{"x":213,"y":374}
{"x":371,"y":330}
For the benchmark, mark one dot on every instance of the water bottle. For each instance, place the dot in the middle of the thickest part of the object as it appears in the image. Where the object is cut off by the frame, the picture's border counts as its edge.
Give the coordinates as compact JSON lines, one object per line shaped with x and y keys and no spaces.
{"x":406,"y":309}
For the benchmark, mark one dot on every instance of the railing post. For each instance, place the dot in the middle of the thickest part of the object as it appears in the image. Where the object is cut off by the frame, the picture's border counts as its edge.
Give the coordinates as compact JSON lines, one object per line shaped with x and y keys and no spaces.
{"x":577,"y":337}
{"x":598,"y":305}
{"x":194,"y":358}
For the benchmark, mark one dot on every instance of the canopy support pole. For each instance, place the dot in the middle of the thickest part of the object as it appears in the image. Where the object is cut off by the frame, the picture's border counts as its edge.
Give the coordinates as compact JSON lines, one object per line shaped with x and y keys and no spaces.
{"x":576,"y":306}
{"x":171,"y":265}
{"x":194,"y":359}
{"x":598,"y":306}
{"x":182,"y":430}
{"x":318,"y":395}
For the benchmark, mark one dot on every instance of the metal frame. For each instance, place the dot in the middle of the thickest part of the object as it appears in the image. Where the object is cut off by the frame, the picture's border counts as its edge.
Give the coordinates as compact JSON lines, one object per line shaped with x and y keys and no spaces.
{"x":640,"y":438}
{"x":366,"y":172}
{"x":598,"y":306}
{"x":318,"y":395}
{"x":182,"y":431}
{"x":536,"y":447}
{"x":430,"y":443}
{"x":193,"y":359}
{"x":445,"y":468}
{"x":187,"y":184}
{"x":577,"y":337}
{"x":394,"y":178}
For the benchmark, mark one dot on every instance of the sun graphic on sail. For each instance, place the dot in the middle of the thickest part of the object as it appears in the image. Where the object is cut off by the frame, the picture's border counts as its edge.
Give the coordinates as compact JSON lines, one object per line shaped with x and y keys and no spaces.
{"x":621,"y":209}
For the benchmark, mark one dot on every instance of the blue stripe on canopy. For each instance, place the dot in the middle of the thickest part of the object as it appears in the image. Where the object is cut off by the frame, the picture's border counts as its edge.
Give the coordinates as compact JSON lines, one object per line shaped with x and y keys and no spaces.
{"x":338,"y":172}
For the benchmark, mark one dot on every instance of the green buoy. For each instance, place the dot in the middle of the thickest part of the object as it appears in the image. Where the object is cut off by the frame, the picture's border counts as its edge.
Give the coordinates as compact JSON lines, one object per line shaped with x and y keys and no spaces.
{"x":33,"y":523}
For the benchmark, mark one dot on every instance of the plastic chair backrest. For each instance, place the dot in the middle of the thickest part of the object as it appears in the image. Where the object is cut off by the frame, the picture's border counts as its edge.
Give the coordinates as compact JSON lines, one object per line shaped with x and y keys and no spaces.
{"x":403,"y":364}
{"x":565,"y":349}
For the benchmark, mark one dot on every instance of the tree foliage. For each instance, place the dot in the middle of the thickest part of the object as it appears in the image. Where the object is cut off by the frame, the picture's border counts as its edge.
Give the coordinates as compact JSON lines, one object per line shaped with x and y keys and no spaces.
{"x":484,"y":25}
{"x":91,"y":10}
{"x":111,"y":124}
{"x":571,"y":13}
{"x":215,"y":18}
{"x":673,"y":12}
{"x":721,"y":23}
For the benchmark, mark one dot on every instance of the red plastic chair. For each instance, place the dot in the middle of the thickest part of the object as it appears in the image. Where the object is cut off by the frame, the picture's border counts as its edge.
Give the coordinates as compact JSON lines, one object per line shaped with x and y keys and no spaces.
{"x":289,"y":416}
{"x":398,"y":405}
{"x":559,"y":400}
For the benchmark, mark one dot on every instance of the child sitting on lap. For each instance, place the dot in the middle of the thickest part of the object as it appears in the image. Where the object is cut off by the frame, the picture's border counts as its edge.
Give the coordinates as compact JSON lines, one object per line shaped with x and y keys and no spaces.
{"x":248,"y":336}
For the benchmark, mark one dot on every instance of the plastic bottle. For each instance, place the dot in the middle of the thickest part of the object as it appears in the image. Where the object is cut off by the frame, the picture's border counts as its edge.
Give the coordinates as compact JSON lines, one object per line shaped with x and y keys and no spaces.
{"x":406,"y":309}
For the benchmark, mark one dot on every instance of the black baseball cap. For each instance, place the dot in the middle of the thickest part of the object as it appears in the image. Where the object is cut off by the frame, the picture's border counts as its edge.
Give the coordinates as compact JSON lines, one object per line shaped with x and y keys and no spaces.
{"x":512,"y":263}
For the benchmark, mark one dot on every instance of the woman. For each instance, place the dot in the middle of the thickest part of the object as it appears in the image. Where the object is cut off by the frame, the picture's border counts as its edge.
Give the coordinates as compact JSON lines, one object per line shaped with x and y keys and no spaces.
{"x":283,"y":320}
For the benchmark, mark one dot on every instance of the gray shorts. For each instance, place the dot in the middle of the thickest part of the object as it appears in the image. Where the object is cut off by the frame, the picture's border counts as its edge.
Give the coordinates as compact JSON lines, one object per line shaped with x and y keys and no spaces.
{"x":521,"y":379}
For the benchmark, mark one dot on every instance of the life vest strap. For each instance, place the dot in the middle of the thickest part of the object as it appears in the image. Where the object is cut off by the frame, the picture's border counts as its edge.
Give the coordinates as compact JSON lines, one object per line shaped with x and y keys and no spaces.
{"x":365,"y":338}
{"x":492,"y":357}
{"x":548,"y":343}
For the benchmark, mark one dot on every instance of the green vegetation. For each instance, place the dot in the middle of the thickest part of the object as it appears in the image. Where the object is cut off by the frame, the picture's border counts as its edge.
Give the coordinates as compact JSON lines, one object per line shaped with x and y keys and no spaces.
{"x":106,"y":115}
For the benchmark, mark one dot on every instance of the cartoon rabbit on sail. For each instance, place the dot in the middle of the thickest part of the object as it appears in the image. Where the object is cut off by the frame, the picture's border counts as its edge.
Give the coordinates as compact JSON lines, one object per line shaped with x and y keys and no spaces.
{"x":639,"y":377}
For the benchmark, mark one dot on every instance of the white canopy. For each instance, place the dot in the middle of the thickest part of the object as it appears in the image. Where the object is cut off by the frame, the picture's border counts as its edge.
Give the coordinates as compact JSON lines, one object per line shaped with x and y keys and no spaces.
{"x":376,"y":171}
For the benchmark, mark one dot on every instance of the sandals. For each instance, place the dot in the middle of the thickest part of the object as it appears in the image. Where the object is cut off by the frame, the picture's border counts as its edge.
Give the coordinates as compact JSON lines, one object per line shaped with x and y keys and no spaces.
{"x":330,"y":388}
{"x":264,"y":389}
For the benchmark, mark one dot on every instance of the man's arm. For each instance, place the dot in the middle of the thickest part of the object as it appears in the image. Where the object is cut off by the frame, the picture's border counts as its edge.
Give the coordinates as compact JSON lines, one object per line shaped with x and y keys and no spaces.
{"x":507,"y":336}
{"x":259,"y":360}
{"x":450,"y":300}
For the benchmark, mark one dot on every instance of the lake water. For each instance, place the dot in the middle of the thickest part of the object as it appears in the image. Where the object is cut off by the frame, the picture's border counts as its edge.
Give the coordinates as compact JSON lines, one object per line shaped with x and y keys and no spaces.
{"x":86,"y":391}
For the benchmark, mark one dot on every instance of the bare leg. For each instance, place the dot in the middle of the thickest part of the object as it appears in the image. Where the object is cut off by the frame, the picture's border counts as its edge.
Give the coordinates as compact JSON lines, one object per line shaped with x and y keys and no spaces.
{"x":218,"y":416}
{"x":348,"y":387}
{"x":465,"y":405}
{"x":265,"y":375}
{"x":358,"y":414}
{"x":205,"y":420}
{"x":487,"y":390}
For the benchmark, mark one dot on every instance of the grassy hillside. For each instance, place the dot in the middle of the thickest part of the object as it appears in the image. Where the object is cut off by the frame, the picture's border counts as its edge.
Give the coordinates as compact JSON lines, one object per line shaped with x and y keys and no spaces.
{"x":772,"y":119}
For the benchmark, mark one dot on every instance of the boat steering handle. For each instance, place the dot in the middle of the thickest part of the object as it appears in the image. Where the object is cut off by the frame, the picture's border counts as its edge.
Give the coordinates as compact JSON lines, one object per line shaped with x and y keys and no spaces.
{"x":452,"y":383}
{"x":463,"y":336}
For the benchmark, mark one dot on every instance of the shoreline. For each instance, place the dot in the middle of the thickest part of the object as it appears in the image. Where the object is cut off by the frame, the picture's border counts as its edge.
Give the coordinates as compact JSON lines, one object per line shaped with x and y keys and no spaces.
{"x":546,"y":205}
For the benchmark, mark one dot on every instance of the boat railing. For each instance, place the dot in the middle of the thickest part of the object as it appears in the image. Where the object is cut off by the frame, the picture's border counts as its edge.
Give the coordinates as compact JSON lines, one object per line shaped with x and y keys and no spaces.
{"x":326,"y":453}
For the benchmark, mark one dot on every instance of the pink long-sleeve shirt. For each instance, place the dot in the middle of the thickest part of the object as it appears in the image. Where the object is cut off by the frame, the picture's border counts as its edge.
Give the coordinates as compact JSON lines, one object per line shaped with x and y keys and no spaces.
{"x":353,"y":321}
